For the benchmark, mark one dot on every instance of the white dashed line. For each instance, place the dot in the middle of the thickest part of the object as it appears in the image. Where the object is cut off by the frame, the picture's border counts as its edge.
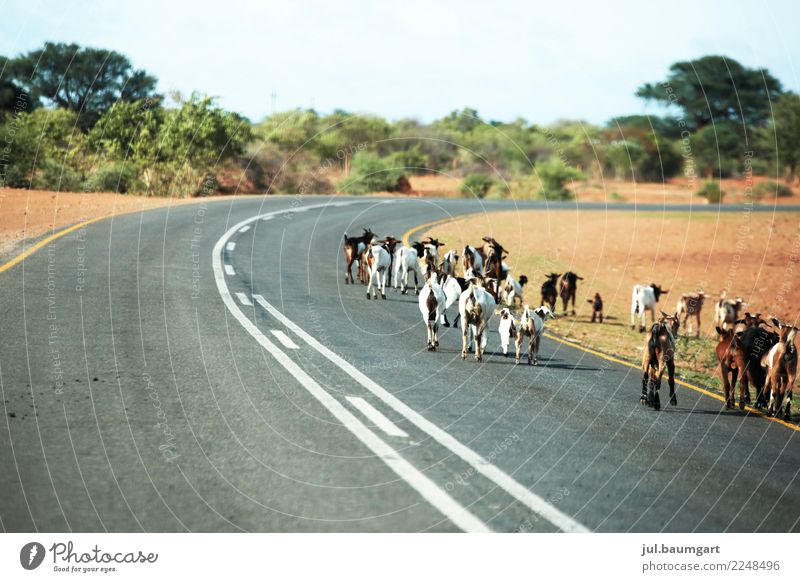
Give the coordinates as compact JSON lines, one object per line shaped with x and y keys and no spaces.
{"x":230,"y":246}
{"x":428,"y":489}
{"x":244,"y":229}
{"x":266,"y":218}
{"x":284,"y":339}
{"x":229,"y":270}
{"x":377,"y":417}
{"x":480,"y":464}
{"x":244,"y":299}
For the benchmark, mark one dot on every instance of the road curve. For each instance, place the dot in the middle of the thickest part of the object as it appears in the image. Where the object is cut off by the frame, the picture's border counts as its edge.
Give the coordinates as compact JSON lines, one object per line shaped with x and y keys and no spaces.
{"x":204,"y":368}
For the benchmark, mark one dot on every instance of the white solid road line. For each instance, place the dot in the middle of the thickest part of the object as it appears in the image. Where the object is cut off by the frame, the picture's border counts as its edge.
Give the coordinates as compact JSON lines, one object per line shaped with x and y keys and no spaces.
{"x":429,"y":491}
{"x":266,"y":218}
{"x":244,"y":299}
{"x":230,"y":246}
{"x":377,"y":417}
{"x":284,"y":339}
{"x":229,"y":270}
{"x":502,"y":479}
{"x":244,"y":229}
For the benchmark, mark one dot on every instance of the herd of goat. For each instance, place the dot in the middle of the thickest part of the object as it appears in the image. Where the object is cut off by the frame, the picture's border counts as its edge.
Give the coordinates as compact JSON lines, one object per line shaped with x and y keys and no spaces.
{"x":748,"y":352}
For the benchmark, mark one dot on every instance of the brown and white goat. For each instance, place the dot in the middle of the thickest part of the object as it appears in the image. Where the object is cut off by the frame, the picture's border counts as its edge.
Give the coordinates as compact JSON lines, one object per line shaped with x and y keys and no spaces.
{"x":781,"y":364}
{"x":475,"y":308}
{"x":727,"y":311}
{"x":659,"y":355}
{"x":530,"y":325}
{"x":689,"y":306}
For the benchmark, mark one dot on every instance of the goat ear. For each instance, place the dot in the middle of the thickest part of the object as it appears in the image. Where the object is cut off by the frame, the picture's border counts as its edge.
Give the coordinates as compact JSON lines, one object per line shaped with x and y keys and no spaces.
{"x":665,"y":314}
{"x":720,"y":331}
{"x":775,"y":322}
{"x":738,"y":321}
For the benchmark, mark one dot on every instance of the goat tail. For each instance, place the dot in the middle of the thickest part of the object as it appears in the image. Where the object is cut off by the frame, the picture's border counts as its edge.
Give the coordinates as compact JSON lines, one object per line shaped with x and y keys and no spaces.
{"x":432,"y":303}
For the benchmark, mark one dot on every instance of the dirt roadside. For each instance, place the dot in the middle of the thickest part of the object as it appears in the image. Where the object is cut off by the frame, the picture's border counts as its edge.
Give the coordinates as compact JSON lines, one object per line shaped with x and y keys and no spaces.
{"x":30,"y":214}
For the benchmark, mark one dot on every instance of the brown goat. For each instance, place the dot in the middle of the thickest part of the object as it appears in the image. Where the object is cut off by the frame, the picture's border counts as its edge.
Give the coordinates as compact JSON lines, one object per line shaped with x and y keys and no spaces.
{"x":549,"y":292}
{"x":727,"y":366}
{"x":354,"y":246}
{"x":568,"y":288}
{"x":659,"y":354}
{"x":597,"y":307}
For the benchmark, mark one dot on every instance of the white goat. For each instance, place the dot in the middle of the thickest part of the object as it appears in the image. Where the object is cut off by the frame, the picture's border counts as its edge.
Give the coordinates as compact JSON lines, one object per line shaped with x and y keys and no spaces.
{"x":452,"y":288}
{"x":507,"y":328}
{"x":431,"y":305}
{"x":378,"y":264}
{"x":531,"y":325}
{"x":406,"y":262}
{"x":475,"y":308}
{"x":644,"y":298}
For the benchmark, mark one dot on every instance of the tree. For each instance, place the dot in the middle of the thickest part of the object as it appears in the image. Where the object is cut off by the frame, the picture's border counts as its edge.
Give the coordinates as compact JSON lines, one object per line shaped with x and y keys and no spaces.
{"x":370,"y":174}
{"x":202,"y":133}
{"x":129,"y":131}
{"x":716,"y":148}
{"x":715,"y":88}
{"x":462,"y":121}
{"x":290,"y":130}
{"x":344,"y":134}
{"x":783,"y":133}
{"x":87,"y":81}
{"x":46,"y":151}
{"x":10,"y":91}
{"x":553,"y":175}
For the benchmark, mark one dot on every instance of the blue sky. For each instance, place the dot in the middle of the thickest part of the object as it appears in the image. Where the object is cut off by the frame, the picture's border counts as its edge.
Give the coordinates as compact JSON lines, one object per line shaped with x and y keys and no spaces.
{"x":541,"y":61}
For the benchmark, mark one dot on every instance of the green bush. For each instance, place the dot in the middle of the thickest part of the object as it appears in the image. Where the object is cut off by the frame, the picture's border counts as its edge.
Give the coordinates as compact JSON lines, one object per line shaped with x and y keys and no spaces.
{"x":370,"y":173}
{"x":412,"y":160}
{"x":770,"y":189}
{"x":118,"y":177}
{"x":477,"y":185}
{"x":554,"y":175}
{"x":53,"y":175}
{"x":712,"y":192}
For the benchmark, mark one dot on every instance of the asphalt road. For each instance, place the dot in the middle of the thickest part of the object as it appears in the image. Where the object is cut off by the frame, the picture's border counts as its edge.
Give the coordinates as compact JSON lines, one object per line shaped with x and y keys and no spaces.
{"x":200,"y":368}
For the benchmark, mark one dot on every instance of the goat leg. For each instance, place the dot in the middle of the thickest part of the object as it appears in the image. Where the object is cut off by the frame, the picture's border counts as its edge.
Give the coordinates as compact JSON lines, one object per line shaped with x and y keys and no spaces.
{"x":744,"y":390}
{"x":673,"y":398}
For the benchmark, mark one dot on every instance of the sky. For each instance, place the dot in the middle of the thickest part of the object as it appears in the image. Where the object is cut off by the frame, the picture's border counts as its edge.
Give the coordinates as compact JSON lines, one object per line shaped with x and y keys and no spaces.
{"x":413,"y":58}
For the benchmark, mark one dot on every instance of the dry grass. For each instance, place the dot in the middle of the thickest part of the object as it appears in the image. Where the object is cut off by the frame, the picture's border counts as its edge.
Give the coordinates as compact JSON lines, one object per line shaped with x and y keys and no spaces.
{"x":31,"y":213}
{"x":754,"y":255}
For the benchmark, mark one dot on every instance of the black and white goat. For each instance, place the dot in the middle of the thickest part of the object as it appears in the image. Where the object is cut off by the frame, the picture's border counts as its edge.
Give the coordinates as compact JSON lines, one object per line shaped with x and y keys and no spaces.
{"x":431,"y":305}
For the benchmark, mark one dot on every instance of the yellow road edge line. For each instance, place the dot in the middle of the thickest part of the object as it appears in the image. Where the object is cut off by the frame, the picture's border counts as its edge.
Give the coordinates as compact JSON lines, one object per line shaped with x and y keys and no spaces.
{"x":44,"y":242}
{"x":410,"y":232}
{"x":56,"y":235}
{"x":699,"y":389}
